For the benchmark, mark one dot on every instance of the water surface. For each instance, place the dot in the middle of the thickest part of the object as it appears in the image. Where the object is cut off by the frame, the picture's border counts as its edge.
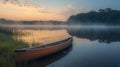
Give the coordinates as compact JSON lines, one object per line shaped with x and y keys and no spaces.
{"x":92,"y":46}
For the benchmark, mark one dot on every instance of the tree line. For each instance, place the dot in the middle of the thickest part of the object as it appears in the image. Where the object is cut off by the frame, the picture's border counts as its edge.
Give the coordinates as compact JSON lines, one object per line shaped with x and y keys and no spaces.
{"x":102,"y":16}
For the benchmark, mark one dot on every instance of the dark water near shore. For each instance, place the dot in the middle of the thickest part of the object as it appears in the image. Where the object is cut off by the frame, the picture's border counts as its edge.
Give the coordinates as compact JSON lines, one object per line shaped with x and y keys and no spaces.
{"x":92,"y":46}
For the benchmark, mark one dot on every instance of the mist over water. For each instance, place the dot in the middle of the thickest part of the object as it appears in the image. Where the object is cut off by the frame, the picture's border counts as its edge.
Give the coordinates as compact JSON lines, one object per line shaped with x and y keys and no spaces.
{"x":56,"y":26}
{"x":92,"y":45}
{"x":64,"y":33}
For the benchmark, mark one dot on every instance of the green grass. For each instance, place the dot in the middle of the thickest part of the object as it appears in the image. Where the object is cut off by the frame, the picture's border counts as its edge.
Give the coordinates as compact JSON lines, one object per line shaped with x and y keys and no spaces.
{"x":7,"y":47}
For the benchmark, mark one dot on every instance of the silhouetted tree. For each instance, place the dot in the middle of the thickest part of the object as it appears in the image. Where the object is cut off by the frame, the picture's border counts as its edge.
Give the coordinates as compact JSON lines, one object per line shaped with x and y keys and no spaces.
{"x":103,"y":16}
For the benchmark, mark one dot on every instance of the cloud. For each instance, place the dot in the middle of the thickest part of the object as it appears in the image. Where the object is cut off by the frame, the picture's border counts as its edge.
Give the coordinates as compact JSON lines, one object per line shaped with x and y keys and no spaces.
{"x":70,"y":6}
{"x":16,"y":12}
{"x":20,"y":10}
{"x":20,"y":3}
{"x":69,"y":10}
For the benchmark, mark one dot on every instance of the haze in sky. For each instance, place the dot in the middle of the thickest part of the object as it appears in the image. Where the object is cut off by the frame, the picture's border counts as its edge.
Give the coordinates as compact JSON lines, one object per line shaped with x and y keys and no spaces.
{"x":50,"y":9}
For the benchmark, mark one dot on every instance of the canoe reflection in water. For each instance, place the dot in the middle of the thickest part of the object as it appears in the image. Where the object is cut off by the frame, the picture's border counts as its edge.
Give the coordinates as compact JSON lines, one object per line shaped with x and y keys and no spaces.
{"x":27,"y":54}
{"x":43,"y":62}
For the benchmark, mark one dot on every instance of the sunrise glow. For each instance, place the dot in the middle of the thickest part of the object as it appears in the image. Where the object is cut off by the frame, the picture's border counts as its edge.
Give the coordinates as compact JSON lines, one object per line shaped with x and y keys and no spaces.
{"x":17,"y":11}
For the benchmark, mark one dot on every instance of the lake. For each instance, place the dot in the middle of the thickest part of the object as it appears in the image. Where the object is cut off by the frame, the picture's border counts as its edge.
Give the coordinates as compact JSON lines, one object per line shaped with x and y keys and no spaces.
{"x":93,"y":46}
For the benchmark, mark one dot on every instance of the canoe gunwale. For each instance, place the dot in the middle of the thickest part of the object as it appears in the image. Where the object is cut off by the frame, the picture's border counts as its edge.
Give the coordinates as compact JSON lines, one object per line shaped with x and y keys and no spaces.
{"x":45,"y":46}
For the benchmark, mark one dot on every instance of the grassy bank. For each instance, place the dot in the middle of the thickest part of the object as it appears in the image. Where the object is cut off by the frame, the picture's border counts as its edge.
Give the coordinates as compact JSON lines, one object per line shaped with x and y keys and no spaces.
{"x":7,"y":47}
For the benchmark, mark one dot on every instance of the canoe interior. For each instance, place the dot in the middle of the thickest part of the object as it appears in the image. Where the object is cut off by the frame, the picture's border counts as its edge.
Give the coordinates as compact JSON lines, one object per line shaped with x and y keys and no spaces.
{"x":43,"y":46}
{"x":42,"y":51}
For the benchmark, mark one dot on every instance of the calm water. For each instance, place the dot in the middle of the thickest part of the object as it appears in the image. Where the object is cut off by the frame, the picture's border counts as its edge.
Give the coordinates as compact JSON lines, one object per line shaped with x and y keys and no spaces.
{"x":92,"y":46}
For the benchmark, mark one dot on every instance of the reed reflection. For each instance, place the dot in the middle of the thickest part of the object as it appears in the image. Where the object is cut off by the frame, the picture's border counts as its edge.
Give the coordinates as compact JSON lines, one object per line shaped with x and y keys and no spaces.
{"x":42,"y":36}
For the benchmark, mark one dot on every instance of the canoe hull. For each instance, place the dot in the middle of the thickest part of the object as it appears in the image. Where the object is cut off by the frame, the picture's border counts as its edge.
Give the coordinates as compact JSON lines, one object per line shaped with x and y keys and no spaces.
{"x":39,"y":53}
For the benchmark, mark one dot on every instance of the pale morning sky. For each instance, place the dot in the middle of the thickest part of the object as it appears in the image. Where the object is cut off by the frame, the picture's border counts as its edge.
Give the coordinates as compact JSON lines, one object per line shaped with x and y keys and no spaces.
{"x":50,"y":9}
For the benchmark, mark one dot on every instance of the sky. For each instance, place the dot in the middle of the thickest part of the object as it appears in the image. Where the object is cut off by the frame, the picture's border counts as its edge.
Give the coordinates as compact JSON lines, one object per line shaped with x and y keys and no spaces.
{"x":50,"y":9}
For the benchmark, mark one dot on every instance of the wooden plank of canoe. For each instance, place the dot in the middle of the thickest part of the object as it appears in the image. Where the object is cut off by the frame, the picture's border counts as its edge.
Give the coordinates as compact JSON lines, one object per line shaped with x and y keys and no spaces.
{"x":35,"y":53}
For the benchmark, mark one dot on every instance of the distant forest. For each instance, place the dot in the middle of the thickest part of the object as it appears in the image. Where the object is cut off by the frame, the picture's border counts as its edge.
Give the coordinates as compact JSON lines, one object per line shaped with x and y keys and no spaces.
{"x":106,"y":16}
{"x":11,"y":22}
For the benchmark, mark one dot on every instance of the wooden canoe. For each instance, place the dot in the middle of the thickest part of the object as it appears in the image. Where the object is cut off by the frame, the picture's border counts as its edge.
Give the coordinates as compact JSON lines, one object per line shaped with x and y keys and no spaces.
{"x":42,"y":51}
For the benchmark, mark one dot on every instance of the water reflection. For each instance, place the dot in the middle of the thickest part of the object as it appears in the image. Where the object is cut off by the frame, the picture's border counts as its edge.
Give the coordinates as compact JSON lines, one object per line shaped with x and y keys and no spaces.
{"x":106,"y":35}
{"x":42,"y":37}
{"x":88,"y":51}
{"x":43,"y":62}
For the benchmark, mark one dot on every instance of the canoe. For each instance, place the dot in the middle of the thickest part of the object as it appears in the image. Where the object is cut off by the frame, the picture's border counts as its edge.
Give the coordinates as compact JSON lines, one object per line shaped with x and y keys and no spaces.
{"x":42,"y":51}
{"x":42,"y":62}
